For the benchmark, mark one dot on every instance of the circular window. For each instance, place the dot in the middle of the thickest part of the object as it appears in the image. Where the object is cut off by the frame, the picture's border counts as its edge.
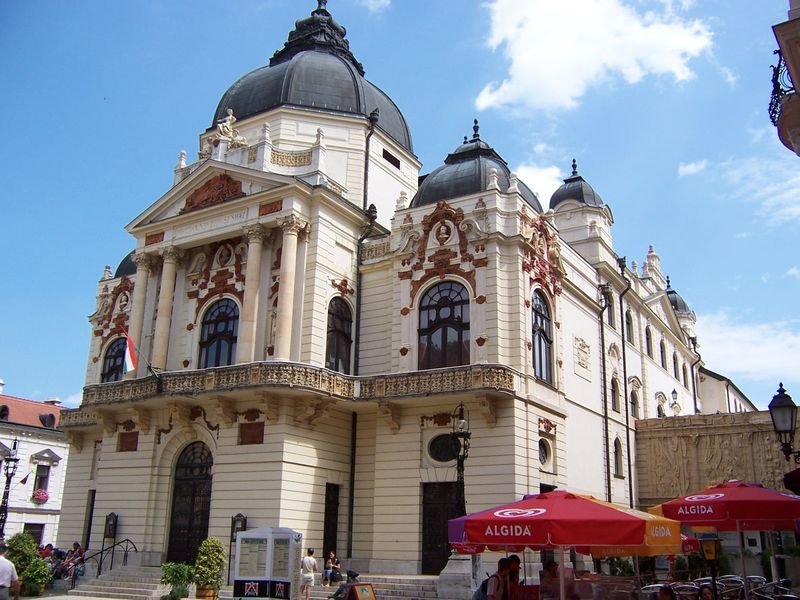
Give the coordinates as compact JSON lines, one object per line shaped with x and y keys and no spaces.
{"x":443,"y":448}
{"x":544,"y":452}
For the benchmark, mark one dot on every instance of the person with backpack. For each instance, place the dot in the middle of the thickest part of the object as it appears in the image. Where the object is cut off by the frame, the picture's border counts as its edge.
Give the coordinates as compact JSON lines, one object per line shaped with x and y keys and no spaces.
{"x":496,"y":586}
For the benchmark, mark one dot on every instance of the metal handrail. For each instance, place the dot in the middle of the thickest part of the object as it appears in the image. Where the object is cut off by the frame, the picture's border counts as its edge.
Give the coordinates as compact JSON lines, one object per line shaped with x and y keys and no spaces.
{"x":782,"y":85}
{"x":99,"y":557}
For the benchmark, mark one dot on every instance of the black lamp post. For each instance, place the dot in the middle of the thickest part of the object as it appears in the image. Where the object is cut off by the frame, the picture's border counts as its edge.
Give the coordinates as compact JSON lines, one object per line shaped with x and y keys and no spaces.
{"x":461,"y":436}
{"x":783,"y":411}
{"x":10,"y":468}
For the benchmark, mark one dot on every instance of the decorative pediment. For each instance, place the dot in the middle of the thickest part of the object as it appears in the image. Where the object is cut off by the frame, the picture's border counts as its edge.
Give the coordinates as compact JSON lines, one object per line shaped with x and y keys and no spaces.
{"x":5,"y":451}
{"x":45,"y":457}
{"x":211,"y":184}
{"x":216,"y":190}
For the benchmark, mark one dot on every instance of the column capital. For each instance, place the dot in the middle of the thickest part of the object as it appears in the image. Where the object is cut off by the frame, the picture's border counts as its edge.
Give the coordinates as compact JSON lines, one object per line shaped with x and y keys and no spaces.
{"x":255,"y":233}
{"x":173,"y":254}
{"x":293,"y":224}
{"x":144,"y":260}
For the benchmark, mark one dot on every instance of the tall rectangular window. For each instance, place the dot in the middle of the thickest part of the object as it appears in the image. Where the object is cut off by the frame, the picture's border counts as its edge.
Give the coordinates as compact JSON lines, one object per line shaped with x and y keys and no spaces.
{"x":42,"y":477}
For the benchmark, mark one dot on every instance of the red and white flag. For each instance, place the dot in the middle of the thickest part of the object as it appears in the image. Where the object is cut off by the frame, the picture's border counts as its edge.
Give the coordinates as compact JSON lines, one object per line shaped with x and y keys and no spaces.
{"x":131,"y":357}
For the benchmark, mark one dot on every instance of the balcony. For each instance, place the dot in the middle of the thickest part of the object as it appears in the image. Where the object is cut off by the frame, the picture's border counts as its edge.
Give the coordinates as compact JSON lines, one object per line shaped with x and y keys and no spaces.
{"x":784,"y":106}
{"x":242,"y":381}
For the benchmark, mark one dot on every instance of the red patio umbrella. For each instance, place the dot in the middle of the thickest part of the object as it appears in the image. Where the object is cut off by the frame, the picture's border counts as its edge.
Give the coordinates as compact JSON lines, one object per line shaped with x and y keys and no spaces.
{"x":560,"y":518}
{"x":735,"y":506}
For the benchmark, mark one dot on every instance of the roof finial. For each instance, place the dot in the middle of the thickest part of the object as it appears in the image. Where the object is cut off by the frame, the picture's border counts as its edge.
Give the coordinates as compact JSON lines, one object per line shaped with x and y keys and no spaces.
{"x":322,"y":4}
{"x":668,"y":284}
{"x":475,"y":129}
{"x":574,"y":167}
{"x":465,"y":139}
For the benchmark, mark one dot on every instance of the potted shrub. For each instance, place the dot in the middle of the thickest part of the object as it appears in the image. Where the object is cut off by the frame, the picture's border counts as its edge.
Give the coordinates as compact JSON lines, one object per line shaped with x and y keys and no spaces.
{"x":36,"y":575}
{"x":208,"y":568}
{"x":22,"y":550}
{"x":178,"y":576}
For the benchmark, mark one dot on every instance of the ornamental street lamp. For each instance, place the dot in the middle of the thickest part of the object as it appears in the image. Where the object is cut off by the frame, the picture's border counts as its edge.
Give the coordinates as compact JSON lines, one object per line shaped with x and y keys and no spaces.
{"x":710,"y":545}
{"x":10,"y":468}
{"x":461,"y":436}
{"x":783,"y":411}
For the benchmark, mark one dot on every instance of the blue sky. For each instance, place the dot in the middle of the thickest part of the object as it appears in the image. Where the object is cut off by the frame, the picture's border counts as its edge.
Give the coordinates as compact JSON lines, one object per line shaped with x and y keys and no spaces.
{"x":662,"y":102}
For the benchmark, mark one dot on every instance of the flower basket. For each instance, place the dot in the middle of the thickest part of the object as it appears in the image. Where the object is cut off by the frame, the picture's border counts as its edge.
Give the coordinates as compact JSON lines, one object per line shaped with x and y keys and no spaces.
{"x":40,"y":496}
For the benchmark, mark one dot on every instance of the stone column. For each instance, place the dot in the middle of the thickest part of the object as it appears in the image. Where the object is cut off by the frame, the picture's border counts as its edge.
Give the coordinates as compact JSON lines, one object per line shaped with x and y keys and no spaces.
{"x":283,"y":328}
{"x":171,"y":257}
{"x":245,"y":344}
{"x":144,"y":262}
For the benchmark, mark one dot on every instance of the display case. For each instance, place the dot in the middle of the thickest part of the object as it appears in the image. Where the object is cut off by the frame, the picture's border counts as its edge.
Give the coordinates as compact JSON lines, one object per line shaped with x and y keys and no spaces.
{"x":267,"y":563}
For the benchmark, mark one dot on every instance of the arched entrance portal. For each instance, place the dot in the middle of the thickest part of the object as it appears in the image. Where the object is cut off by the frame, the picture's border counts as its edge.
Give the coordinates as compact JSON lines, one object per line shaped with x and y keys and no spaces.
{"x":191,"y":503}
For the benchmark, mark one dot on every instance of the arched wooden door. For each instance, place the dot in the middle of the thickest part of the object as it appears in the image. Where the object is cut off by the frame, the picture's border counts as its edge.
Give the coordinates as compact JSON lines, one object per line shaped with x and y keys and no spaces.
{"x":191,"y":503}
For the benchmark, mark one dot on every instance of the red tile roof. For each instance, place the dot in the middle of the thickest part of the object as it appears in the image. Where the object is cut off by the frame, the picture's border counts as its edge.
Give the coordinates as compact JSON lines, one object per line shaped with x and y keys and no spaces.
{"x":26,"y":412}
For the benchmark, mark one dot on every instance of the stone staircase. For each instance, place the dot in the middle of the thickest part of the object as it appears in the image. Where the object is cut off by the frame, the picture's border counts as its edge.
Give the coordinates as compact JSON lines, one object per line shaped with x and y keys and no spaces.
{"x":143,"y":583}
{"x":125,"y":583}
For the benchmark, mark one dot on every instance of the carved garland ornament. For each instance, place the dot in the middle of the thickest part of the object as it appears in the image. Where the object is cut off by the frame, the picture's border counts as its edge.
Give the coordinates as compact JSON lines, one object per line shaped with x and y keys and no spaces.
{"x":542,"y":258}
{"x":445,"y":228}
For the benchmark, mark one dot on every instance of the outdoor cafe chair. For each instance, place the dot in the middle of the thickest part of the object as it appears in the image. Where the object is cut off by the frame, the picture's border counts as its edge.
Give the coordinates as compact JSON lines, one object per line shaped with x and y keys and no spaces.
{"x":686,"y":591}
{"x":650,"y":592}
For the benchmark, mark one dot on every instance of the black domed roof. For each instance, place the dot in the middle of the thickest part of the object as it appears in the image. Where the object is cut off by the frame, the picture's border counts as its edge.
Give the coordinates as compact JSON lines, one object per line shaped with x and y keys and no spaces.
{"x":575,"y":188}
{"x":466,"y":171}
{"x":678,"y":303}
{"x":315,"y":69}
{"x":126,"y":266}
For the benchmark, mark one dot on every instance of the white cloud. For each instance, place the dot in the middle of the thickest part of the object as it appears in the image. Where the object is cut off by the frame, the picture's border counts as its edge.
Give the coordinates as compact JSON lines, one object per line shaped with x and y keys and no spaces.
{"x":542,"y":180}
{"x":73,"y":400}
{"x":729,"y":76}
{"x":765,"y":352}
{"x":629,"y":44}
{"x":375,"y":5}
{"x":771,"y":182}
{"x":692,"y":168}
{"x":792,"y":272}
{"x":743,"y":235}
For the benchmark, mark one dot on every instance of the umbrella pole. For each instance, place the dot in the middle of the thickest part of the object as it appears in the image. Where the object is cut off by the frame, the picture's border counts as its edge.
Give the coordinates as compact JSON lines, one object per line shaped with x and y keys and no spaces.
{"x":561,"y":575}
{"x":740,"y":539}
{"x":773,"y":560}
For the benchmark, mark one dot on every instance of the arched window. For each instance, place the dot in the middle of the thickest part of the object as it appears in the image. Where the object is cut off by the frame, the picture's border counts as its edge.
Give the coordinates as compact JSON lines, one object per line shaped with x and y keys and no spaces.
{"x":675,"y":364}
{"x":218,"y":334}
{"x":629,"y":327}
{"x":614,"y":395}
{"x":618,"y":459}
{"x":444,"y":326}
{"x":340,"y":325}
{"x":660,"y":411}
{"x":648,"y":341}
{"x":685,"y":377}
{"x":663,"y":349}
{"x":542,"y":334}
{"x":634,"y":404}
{"x":114,"y":361}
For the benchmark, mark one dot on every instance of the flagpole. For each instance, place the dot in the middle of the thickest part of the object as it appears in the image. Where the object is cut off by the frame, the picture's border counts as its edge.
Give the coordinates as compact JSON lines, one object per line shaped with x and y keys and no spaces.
{"x":150,"y":368}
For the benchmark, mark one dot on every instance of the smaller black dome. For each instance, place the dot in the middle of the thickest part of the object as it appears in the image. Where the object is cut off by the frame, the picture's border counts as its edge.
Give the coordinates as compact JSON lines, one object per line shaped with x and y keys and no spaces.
{"x":678,"y":303}
{"x":126,"y":266}
{"x":466,"y":171}
{"x":575,"y":188}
